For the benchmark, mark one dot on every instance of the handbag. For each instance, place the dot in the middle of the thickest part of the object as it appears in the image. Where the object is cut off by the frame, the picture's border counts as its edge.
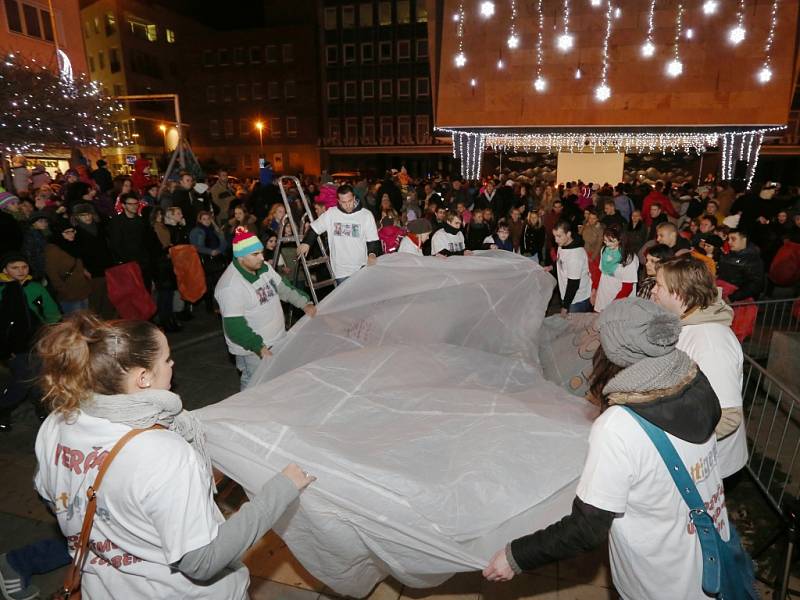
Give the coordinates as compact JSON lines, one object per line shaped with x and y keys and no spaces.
{"x":727,"y":568}
{"x":71,"y":590}
{"x":127,"y":292}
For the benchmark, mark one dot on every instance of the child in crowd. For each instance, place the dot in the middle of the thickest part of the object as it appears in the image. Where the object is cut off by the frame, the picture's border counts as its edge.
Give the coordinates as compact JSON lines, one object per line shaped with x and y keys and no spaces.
{"x":655,"y":254}
{"x":419,"y":230}
{"x":501,"y":240}
{"x":390,"y":235}
{"x":449,"y":240}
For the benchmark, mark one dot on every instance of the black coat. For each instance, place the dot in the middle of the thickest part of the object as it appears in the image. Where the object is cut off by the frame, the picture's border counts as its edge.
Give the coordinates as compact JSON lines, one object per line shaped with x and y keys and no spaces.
{"x":744,"y":270}
{"x":93,"y":249}
{"x":190,"y":203}
{"x":129,"y":240}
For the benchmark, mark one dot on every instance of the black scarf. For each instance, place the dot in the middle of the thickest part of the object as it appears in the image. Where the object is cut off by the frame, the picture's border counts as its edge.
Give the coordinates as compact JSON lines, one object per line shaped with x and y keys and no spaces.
{"x":450,"y":229}
{"x":91,"y":228}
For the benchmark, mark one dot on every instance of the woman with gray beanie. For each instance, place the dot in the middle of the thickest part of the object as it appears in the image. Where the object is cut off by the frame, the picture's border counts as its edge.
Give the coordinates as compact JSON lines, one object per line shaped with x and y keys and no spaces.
{"x":626,"y":493}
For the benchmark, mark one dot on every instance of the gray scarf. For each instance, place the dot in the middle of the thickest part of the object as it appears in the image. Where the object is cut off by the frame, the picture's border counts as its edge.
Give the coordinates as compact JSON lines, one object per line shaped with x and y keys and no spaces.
{"x":652,"y":373}
{"x":152,"y":407}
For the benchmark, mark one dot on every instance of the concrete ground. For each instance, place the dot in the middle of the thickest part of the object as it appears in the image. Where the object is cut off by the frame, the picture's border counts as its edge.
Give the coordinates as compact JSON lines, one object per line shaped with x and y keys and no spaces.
{"x":204,"y":375}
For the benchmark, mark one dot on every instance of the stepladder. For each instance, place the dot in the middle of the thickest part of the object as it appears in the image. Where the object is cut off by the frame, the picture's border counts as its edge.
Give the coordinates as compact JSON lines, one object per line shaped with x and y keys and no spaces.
{"x":315,"y":266}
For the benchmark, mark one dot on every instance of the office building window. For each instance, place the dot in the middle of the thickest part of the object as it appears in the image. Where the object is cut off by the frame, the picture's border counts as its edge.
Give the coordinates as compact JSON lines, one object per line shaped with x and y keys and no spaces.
{"x":349,"y":53}
{"x":403,"y":12}
{"x":330,"y":18}
{"x":208,"y":58}
{"x":365,"y":16}
{"x":331,"y":55}
{"x":351,"y":129}
{"x":223,"y":57}
{"x":87,"y":27}
{"x":113,"y":60}
{"x":348,"y":17}
{"x":385,"y":51}
{"x":403,"y":50}
{"x":213,"y":128}
{"x":272,"y":54}
{"x":333,"y":90}
{"x":403,"y":88}
{"x":387,"y":130}
{"x":404,"y":129}
{"x":368,"y":129}
{"x":244,"y":127}
{"x":422,"y":11}
{"x":289,"y":89}
{"x":287,"y":53}
{"x":273,"y":90}
{"x":422,"y":49}
{"x":227,"y":93}
{"x":385,"y":89}
{"x":275,"y":127}
{"x":31,"y":20}
{"x":385,"y":13}
{"x":143,"y":31}
{"x":258,"y":91}
{"x":91,"y":63}
{"x":291,"y":126}
{"x":227,"y":125}
{"x":101,"y":60}
{"x":367,"y":89}
{"x":423,"y":87}
{"x":241,"y":91}
{"x":350,"y":90}
{"x":96,"y":24}
{"x":238,"y":56}
{"x":423,"y":129}
{"x":255,"y":55}
{"x":333,"y":129}
{"x":211,"y":93}
{"x":367,"y":52}
{"x":111,"y":24}
{"x":170,"y":36}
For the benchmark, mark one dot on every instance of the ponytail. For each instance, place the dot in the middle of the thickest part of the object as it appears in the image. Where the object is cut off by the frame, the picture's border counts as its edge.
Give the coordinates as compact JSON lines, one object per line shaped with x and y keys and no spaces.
{"x":83,"y":355}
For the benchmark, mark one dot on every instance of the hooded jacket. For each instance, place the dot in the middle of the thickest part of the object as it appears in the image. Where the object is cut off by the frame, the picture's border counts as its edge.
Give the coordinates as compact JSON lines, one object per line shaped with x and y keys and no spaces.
{"x":689,"y":410}
{"x":24,"y":308}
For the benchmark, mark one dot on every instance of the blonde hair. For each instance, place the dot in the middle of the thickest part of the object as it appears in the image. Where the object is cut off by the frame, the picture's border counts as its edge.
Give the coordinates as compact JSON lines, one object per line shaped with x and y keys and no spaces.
{"x":690,"y":280}
{"x":83,"y":355}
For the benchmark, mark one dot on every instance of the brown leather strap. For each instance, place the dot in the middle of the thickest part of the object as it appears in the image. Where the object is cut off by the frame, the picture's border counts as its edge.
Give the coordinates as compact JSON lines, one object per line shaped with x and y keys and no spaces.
{"x":72,"y":580}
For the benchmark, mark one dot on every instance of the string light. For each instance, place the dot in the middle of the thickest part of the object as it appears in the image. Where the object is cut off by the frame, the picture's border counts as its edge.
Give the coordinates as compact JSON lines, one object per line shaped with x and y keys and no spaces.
{"x":540,"y":83}
{"x":648,"y":48}
{"x":513,"y":40}
{"x":737,"y":33}
{"x":565,"y":40}
{"x":487,"y":9}
{"x":675,"y":66}
{"x":500,"y":64}
{"x":710,"y":7}
{"x":460,"y":58}
{"x":689,"y":34}
{"x":578,"y":73}
{"x":596,"y":2}
{"x":617,"y":13}
{"x":473,"y":82}
{"x":603,"y":91}
{"x":765,"y":73}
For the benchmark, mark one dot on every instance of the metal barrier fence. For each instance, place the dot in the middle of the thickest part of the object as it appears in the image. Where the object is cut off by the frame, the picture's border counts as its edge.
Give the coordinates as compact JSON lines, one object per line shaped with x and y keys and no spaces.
{"x":772,"y":420}
{"x":772,"y":316}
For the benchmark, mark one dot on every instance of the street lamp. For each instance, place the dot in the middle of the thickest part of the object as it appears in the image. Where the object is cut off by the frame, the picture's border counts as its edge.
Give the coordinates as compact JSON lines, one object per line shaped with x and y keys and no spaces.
{"x":260,"y":127}
{"x":163,"y":129}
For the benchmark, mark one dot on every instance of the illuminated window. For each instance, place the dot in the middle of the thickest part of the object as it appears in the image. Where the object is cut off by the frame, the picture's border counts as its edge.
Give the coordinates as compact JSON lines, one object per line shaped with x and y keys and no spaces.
{"x":170,"y":36}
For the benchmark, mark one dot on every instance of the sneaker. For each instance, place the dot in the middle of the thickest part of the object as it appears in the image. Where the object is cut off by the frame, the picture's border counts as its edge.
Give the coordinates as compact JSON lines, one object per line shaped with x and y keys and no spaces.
{"x":11,"y":584}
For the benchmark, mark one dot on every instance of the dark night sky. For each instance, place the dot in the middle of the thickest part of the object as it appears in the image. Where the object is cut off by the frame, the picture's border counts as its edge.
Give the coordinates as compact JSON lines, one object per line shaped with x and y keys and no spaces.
{"x":231,"y":14}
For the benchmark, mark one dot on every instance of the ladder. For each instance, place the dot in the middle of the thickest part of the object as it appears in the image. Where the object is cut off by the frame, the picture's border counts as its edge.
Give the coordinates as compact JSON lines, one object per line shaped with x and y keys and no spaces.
{"x":307,"y":263}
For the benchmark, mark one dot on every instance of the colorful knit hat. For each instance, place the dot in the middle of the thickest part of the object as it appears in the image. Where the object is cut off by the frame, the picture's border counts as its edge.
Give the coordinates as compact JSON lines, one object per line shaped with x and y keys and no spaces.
{"x":245,"y":243}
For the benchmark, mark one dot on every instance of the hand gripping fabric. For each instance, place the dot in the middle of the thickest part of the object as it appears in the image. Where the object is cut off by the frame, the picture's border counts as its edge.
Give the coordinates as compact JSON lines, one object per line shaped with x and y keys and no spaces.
{"x":71,"y":590}
{"x":727,"y":568}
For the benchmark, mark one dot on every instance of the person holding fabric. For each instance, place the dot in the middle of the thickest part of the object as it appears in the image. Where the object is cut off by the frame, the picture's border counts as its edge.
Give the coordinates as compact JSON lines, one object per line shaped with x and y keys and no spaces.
{"x":449,"y":240}
{"x":626,"y":493}
{"x":572,"y":271}
{"x":419,"y":230}
{"x":685,"y":287}
{"x":619,"y":269}
{"x":157,"y":532}
{"x":352,"y":235}
{"x":501,"y":239}
{"x":249,"y":294}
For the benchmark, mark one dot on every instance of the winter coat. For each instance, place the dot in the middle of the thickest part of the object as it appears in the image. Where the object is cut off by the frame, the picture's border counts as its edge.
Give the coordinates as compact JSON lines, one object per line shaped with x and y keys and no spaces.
{"x":93,"y":248}
{"x":33,"y":247}
{"x":533,"y":241}
{"x":66,"y":274}
{"x":24,"y":308}
{"x":744,"y":270}
{"x":128,"y":239}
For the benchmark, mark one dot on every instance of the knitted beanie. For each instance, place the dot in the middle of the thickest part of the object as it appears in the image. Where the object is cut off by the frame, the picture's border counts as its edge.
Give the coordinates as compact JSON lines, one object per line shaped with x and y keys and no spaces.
{"x":419,"y":226}
{"x":245,"y":243}
{"x":633,"y":329}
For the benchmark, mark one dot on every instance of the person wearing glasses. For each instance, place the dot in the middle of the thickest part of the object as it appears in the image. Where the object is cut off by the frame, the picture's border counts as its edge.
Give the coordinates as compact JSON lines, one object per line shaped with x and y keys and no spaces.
{"x":129,"y":238}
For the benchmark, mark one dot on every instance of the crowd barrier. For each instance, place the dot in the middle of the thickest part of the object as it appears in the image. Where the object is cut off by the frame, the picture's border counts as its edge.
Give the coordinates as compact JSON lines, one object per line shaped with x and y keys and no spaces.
{"x":755,"y":322}
{"x":772,"y":419}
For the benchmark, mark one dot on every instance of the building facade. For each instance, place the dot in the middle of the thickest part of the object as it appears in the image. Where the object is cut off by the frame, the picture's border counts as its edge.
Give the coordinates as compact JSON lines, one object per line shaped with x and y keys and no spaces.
{"x":377,"y":107}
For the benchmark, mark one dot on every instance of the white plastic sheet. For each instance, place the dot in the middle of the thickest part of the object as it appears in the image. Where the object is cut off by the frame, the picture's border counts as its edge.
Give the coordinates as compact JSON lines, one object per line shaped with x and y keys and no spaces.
{"x":416,"y":398}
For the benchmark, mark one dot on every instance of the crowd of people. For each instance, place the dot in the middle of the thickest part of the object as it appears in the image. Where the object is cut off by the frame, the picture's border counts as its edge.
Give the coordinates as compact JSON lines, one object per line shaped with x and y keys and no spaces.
{"x":668,"y":356}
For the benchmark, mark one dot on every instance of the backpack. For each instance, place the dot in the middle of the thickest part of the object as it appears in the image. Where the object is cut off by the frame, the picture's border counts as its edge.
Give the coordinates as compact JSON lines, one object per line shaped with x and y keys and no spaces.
{"x":727,"y":568}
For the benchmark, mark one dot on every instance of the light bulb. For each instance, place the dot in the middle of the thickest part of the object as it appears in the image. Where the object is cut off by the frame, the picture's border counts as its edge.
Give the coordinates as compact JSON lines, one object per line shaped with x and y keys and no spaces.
{"x":456,"y":17}
{"x":597,"y":2}
{"x":648,"y":49}
{"x":689,"y":34}
{"x":578,"y":73}
{"x":500,"y":64}
{"x":765,"y":74}
{"x":674,"y":67}
{"x":513,"y":41}
{"x":461,"y":60}
{"x":473,"y":82}
{"x":710,"y":7}
{"x":540,"y":84}
{"x":617,"y":12}
{"x":736,"y":34}
{"x":487,"y":9}
{"x":603,"y":92}
{"x":565,"y":42}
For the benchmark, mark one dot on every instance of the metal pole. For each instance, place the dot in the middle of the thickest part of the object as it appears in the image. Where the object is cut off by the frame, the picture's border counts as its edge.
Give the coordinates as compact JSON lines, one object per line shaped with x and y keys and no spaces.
{"x":181,"y":158}
{"x":700,"y":172}
{"x":55,"y":31}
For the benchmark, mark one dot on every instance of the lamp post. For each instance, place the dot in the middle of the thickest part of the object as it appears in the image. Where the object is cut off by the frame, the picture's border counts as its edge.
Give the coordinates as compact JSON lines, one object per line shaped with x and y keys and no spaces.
{"x":260,"y":127}
{"x":163,"y":129}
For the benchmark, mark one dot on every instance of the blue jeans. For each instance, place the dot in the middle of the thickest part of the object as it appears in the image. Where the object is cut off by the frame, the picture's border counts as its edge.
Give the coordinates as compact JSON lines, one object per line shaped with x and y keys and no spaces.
{"x":71,"y":306}
{"x":584,"y":306}
{"x":37,"y":558}
{"x":247,"y":364}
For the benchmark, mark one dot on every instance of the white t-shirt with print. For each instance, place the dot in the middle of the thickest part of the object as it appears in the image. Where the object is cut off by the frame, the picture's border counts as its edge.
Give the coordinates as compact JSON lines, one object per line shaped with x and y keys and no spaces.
{"x":348,"y":234}
{"x":442,"y":240}
{"x":610,"y":285}
{"x":573,"y":263}
{"x":718,"y":353}
{"x":655,"y":553}
{"x":155,"y":504}
{"x":257,"y":302}
{"x":406,"y":245}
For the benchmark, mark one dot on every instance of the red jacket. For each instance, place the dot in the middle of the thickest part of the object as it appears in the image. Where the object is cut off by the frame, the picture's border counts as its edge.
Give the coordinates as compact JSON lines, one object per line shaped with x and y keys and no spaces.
{"x":656,"y":197}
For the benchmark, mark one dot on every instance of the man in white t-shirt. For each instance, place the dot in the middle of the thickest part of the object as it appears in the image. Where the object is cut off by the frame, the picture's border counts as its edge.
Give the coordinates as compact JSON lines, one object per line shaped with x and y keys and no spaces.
{"x":352,"y":235}
{"x":626,"y":493}
{"x":685,"y":287}
{"x":572,"y":271}
{"x":449,"y":240}
{"x":249,"y":294}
